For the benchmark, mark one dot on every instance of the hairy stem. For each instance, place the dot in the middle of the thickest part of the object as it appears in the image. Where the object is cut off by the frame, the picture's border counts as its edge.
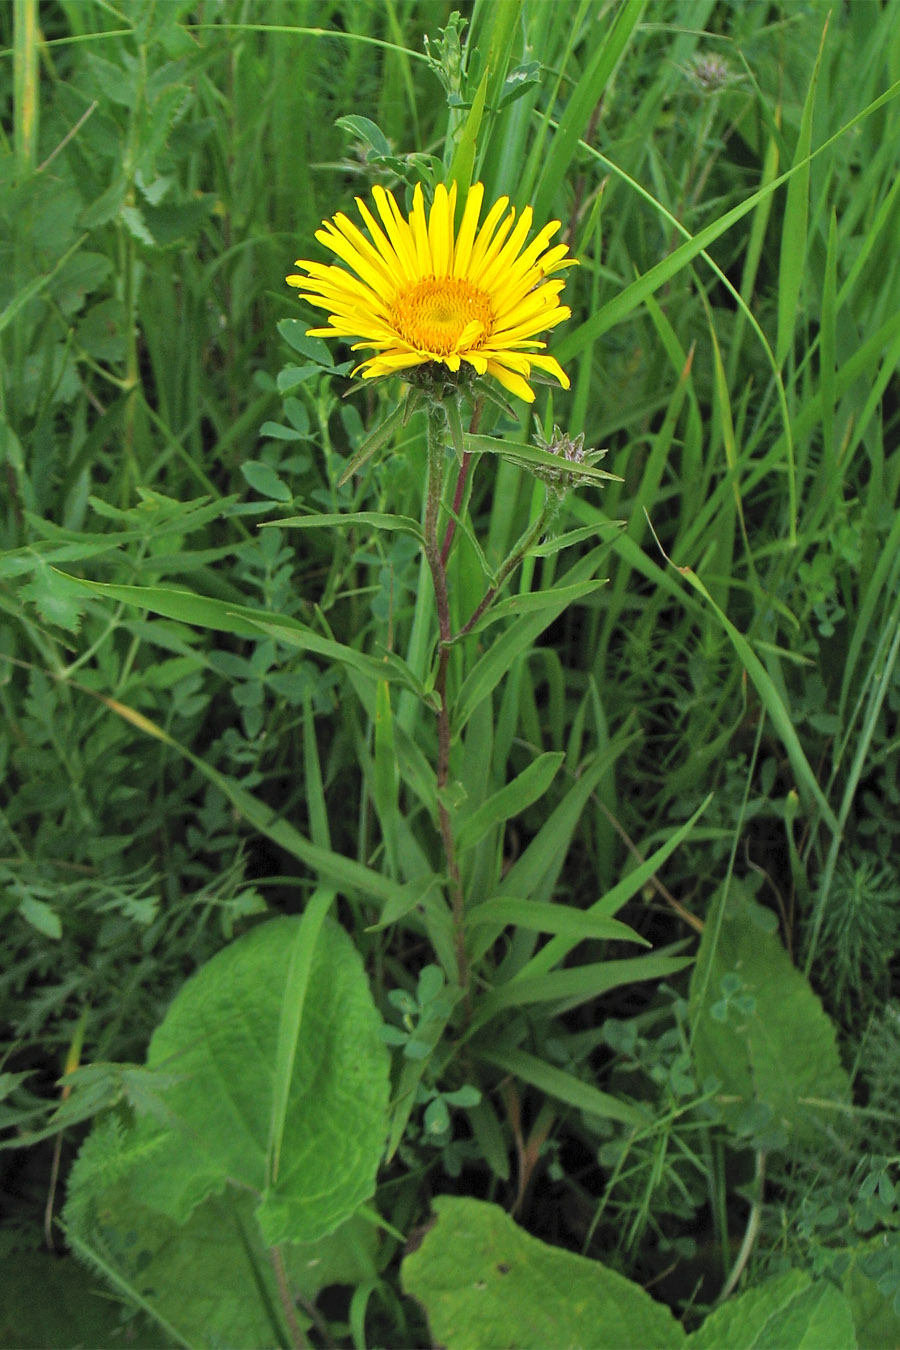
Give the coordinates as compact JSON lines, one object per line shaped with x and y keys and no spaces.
{"x":461,"y":481}
{"x":298,"y":1340}
{"x":436,"y":429}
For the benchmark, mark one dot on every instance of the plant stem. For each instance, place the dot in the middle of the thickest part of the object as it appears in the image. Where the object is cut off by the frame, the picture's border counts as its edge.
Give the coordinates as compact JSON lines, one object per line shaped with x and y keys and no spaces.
{"x":461,"y":481}
{"x":298,"y":1339}
{"x":752,"y":1229}
{"x":436,"y":435}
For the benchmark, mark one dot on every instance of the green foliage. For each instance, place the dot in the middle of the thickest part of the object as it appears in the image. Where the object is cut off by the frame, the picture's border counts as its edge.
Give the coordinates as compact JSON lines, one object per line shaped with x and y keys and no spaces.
{"x":789,"y":1310}
{"x":221,"y":681}
{"x":271,"y":1044}
{"x":759,"y":1029}
{"x":483,"y":1281}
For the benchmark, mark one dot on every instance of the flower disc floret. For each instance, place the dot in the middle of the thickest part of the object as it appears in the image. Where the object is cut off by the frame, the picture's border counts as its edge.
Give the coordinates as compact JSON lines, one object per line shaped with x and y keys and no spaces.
{"x":414,"y":290}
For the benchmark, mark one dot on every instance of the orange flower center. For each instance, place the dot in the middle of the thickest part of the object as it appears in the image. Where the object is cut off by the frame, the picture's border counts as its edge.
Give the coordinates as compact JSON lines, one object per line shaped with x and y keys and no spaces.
{"x":432,"y":314}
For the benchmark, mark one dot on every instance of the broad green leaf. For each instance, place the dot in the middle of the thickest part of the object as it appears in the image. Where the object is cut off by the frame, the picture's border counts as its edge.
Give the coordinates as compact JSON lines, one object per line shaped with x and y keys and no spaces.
{"x":314,"y":349}
{"x":231,"y":1297}
{"x":228,"y":1033}
{"x":264,"y":480}
{"x":366,"y":131}
{"x":483,"y":1281}
{"x":58,"y":600}
{"x":34,"y":287}
{"x":41,"y":916}
{"x":790,"y":1312}
{"x":757,"y":1025}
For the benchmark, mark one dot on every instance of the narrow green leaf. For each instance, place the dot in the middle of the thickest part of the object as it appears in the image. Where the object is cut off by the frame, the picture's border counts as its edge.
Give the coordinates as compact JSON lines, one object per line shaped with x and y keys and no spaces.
{"x":780,"y":716}
{"x":312,"y":777}
{"x":542,"y":916}
{"x":294,"y":635}
{"x":377,"y":519}
{"x":295,"y":986}
{"x":530,"y":456}
{"x":589,"y":90}
{"x":628,"y":299}
{"x":532,"y":602}
{"x":558,"y":948}
{"x":577,"y":984}
{"x":454,"y":426}
{"x":379,"y":437}
{"x":386,"y":778}
{"x":791,"y":264}
{"x":524,"y":789}
{"x":827,"y":360}
{"x":348,"y":875}
{"x":206,"y":612}
{"x":564,"y":1086}
{"x":493,"y":665}
{"x":414,"y":894}
{"x":463,"y":161}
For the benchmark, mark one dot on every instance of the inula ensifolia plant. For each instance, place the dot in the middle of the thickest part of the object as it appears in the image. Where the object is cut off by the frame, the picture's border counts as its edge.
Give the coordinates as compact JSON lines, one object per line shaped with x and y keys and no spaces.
{"x":446,"y":308}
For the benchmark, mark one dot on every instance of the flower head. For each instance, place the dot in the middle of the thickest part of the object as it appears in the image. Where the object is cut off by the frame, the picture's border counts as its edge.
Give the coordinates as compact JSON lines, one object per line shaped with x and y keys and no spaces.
{"x":417,"y":291}
{"x":571,"y":454}
{"x":710,"y":72}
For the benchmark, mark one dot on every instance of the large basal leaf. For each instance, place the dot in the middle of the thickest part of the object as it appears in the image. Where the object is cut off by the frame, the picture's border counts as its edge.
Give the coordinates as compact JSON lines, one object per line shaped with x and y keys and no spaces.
{"x":70,"y":1311}
{"x":759,"y":1028}
{"x":221,"y":1035}
{"x":485,"y":1282}
{"x":209,"y":1281}
{"x":790,"y":1312}
{"x":270,"y":1134}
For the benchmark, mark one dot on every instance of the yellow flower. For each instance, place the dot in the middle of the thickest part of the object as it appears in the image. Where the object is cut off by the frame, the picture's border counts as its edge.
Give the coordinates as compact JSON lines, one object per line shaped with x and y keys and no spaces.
{"x":417,"y":291}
